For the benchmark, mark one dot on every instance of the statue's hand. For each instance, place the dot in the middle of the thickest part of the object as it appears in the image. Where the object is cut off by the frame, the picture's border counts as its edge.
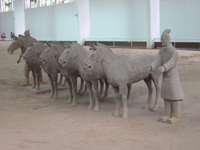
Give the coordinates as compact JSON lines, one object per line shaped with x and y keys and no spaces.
{"x":149,"y":67}
{"x":161,"y":69}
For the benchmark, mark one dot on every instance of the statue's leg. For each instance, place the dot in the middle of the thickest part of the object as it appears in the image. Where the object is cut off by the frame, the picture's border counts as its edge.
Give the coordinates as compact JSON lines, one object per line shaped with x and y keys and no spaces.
{"x":26,"y":74}
{"x":150,"y":91}
{"x":52,"y":85}
{"x":55,"y":85}
{"x":129,"y":93}
{"x":96,"y":95}
{"x":155,"y":81}
{"x":124,"y":91}
{"x":101,"y":81}
{"x":168,"y":111}
{"x":89,"y":88}
{"x":117,"y":97}
{"x":40,"y":76}
{"x":74,"y":90}
{"x":176,"y":112}
{"x":106,"y":90}
{"x":34,"y":78}
{"x":81,"y":86}
{"x":70,"y":90}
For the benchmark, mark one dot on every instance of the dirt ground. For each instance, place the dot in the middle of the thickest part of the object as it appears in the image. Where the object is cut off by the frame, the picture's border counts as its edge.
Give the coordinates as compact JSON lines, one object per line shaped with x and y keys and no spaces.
{"x":34,"y":122}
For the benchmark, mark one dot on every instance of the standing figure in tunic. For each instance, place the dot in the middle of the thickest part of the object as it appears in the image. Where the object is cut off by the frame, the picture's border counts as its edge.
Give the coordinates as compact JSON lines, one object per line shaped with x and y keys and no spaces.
{"x":171,"y":89}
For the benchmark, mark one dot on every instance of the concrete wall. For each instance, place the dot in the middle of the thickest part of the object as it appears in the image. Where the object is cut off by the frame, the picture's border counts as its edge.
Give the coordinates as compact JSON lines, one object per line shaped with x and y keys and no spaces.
{"x":6,"y":23}
{"x":57,"y":22}
{"x":122,"y":19}
{"x":182,"y":17}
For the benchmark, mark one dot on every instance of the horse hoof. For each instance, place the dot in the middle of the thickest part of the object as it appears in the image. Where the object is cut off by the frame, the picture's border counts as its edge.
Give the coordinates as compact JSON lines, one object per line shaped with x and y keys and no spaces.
{"x":90,"y":107}
{"x":124,"y":116}
{"x":73,"y":104}
{"x":96,"y":109}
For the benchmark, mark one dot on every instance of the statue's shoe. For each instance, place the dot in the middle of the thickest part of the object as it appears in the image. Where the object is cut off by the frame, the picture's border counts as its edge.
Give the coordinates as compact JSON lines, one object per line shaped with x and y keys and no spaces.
{"x":164,"y":119}
{"x":173,"y":120}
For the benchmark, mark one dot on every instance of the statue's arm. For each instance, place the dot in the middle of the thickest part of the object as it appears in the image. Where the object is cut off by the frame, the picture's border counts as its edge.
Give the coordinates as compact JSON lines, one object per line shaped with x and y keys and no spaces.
{"x":20,"y":56}
{"x":157,"y":62}
{"x":172,"y":61}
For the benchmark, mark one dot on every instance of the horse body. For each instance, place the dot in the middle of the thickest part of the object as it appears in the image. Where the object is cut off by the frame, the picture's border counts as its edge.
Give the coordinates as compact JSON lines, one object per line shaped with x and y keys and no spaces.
{"x":79,"y":54}
{"x":22,"y":42}
{"x":70,"y":72}
{"x":122,"y":72}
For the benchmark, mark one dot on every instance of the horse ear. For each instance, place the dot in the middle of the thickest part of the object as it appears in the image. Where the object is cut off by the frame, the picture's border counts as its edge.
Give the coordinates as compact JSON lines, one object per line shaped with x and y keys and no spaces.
{"x":48,"y":44}
{"x":30,"y":44}
{"x":20,"y":35}
{"x":91,"y":46}
{"x":94,"y":47}
{"x":15,"y":37}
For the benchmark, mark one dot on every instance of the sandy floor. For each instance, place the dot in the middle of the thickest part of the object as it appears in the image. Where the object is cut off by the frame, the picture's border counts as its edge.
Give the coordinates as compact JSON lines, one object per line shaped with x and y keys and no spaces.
{"x":35,"y":122}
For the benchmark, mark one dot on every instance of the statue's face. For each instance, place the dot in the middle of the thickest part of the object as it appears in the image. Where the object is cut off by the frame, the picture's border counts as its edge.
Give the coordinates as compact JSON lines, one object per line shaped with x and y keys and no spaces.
{"x":165,"y":40}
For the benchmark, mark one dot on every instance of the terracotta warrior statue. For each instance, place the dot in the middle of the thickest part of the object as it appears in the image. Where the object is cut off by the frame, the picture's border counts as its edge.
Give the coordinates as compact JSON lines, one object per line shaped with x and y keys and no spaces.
{"x":171,"y":89}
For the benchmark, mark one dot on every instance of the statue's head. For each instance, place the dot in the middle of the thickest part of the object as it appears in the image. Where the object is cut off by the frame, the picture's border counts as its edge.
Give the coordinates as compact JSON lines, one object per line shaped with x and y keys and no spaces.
{"x":27,"y":33}
{"x":165,"y":38}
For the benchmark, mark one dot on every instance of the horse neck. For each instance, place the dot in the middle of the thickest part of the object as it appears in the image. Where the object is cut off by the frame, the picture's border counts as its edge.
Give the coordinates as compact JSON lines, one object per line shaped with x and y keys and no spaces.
{"x":59,"y":50}
{"x":107,"y":55}
{"x":81,"y":56}
{"x":24,"y":44}
{"x":81,"y":53}
{"x":40,"y":48}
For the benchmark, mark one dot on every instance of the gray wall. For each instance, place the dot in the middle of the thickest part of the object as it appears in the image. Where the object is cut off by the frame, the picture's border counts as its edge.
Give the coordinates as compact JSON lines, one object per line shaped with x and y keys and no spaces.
{"x":6,"y":23}
{"x":182,"y":17}
{"x":56,"y":22}
{"x":122,"y":19}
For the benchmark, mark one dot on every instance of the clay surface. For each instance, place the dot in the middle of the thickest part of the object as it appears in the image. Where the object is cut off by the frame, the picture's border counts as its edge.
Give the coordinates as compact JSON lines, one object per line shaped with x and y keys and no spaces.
{"x":31,"y":121}
{"x":121,"y":72}
{"x":77,"y":53}
{"x":22,"y":42}
{"x":70,"y":71}
{"x":50,"y":67}
{"x":171,"y":89}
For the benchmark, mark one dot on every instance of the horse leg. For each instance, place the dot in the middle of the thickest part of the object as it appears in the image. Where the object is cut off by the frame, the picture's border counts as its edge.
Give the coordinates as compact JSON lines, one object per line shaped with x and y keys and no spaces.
{"x":52,"y":88}
{"x":129,"y":93}
{"x":34,"y":78}
{"x":40,"y":76}
{"x":96,"y":95}
{"x":74,"y":89}
{"x":101,"y":87}
{"x":106,"y":90}
{"x":150,"y":91}
{"x":89,"y":87}
{"x":26,"y":74}
{"x":70,"y":90}
{"x":61,"y":78}
{"x":81,"y":86}
{"x":55,"y":85}
{"x":38,"y":79}
{"x":84,"y":90}
{"x":117,"y":97}
{"x":124,"y":92}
